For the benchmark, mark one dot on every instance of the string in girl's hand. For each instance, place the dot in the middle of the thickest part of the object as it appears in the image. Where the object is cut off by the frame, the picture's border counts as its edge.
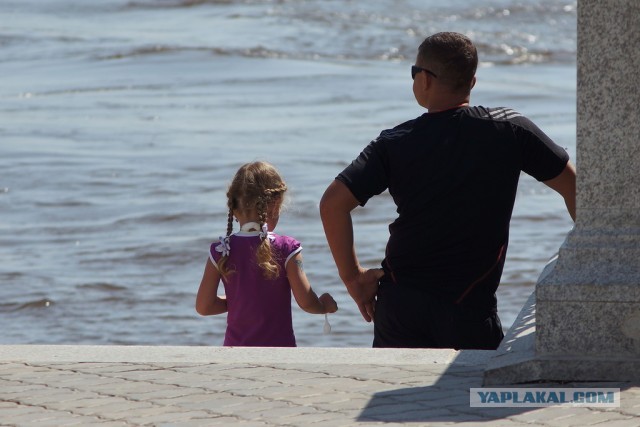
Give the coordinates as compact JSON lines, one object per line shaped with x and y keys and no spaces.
{"x":327,"y":327}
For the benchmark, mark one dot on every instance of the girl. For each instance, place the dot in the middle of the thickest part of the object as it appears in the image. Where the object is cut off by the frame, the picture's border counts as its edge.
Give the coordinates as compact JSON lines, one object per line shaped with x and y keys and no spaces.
{"x":259,"y":269}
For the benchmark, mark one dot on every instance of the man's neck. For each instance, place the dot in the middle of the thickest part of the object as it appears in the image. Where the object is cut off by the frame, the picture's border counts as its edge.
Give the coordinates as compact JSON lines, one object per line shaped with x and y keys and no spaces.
{"x":441,"y":108}
{"x":444,"y":101}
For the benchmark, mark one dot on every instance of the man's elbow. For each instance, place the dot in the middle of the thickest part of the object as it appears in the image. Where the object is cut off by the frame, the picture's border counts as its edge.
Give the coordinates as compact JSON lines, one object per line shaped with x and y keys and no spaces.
{"x":325,"y":206}
{"x":336,"y":200}
{"x":328,"y":204}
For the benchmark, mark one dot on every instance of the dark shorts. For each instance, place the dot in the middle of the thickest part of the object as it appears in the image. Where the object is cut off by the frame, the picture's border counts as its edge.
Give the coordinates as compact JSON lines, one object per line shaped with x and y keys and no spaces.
{"x":410,"y":318}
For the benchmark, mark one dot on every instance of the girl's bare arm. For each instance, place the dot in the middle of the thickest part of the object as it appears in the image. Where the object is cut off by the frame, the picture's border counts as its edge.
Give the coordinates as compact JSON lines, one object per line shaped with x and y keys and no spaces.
{"x":302,"y":291}
{"x":207,"y":301}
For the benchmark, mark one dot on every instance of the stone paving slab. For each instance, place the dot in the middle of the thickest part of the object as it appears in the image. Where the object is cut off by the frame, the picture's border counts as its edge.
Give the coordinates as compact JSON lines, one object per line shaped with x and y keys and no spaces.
{"x":216,"y":386}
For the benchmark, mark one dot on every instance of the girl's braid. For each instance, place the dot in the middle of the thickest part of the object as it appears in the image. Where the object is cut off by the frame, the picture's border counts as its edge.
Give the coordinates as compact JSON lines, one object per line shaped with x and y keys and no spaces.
{"x":264,"y":256}
{"x":271,"y":192}
{"x":261,"y":207}
{"x":222,"y":262}
{"x":230,"y":223}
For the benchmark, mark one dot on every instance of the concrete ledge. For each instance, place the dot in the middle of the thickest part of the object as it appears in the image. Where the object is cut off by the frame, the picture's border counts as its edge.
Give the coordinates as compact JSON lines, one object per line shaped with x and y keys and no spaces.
{"x":517,"y":360}
{"x":221,"y":355}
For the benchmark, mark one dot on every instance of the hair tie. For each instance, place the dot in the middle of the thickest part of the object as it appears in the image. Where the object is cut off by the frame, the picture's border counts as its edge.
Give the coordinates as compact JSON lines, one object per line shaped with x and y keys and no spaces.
{"x":224,"y":247}
{"x":265,"y":231}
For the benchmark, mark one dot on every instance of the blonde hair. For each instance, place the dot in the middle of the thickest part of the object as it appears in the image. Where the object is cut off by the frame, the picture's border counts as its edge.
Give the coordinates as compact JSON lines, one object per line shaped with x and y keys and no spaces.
{"x":255,"y":187}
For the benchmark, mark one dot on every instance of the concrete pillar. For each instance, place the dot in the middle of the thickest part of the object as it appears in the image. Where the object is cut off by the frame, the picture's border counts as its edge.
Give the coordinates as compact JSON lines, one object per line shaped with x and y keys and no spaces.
{"x":587,"y":303}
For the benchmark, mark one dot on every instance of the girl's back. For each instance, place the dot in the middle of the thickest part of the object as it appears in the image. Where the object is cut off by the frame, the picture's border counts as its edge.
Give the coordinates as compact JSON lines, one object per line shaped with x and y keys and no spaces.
{"x":259,"y":308}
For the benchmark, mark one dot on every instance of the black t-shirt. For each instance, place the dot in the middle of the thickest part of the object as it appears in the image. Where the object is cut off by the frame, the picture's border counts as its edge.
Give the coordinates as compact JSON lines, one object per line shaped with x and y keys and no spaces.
{"x":453,"y":176}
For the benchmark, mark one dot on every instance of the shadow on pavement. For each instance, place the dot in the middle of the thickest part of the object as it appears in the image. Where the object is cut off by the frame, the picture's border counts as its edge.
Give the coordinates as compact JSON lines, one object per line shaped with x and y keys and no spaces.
{"x":447,"y":400}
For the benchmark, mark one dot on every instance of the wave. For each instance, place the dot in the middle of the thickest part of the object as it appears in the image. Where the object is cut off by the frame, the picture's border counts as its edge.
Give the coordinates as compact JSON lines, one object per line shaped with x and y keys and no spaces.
{"x":250,"y":52}
{"x":146,"y":51}
{"x":174,"y":4}
{"x":163,"y":218}
{"x":505,"y":54}
{"x":102,"y":286}
{"x":511,"y":35}
{"x":62,"y":204}
{"x":507,"y":32}
{"x":30,"y":305}
{"x":11,"y":275}
{"x":490,"y":54}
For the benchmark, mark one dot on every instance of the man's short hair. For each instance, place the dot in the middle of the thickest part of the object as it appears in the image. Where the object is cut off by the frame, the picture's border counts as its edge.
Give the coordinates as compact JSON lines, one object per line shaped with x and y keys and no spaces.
{"x":452,"y":57}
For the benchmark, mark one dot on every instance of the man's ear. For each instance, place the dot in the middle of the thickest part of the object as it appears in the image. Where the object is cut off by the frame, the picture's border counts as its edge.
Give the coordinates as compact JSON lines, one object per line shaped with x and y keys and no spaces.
{"x":473,"y":82}
{"x":427,"y":82}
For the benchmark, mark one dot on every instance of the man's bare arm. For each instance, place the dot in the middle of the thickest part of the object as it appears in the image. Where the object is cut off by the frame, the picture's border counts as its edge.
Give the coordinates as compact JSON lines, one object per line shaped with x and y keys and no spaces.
{"x":335,"y":210}
{"x":565,"y":185}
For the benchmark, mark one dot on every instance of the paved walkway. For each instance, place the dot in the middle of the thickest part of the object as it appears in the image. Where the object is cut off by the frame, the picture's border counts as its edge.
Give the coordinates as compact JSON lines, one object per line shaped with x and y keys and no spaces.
{"x":215,"y":386}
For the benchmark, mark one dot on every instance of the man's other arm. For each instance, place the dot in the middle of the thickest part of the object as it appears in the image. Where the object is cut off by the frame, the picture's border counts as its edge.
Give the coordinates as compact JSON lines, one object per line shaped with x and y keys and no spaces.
{"x":335,"y":210}
{"x":565,"y":185}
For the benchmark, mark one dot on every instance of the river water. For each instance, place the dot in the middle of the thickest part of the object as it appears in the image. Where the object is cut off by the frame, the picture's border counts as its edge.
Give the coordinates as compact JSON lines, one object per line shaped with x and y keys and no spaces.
{"x":122,"y":122}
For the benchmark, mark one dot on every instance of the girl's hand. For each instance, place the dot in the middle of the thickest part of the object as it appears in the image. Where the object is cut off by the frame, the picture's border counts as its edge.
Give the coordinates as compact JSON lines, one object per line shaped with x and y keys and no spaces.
{"x":328,"y":303}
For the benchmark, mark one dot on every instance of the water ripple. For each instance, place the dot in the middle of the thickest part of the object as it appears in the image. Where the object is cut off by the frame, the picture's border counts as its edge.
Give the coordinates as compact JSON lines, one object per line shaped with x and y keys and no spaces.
{"x":30,"y":305}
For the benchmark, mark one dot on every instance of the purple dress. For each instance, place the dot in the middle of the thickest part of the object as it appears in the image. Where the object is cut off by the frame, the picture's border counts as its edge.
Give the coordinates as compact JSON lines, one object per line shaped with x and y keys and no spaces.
{"x":259,"y":309}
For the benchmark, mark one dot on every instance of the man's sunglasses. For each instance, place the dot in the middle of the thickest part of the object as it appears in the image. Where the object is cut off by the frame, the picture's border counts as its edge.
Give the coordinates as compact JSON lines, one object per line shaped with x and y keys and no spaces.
{"x":415,"y":70}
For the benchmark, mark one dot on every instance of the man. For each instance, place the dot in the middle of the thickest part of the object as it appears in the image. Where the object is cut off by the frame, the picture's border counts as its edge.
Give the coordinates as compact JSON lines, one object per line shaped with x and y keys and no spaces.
{"x":453,"y":174}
